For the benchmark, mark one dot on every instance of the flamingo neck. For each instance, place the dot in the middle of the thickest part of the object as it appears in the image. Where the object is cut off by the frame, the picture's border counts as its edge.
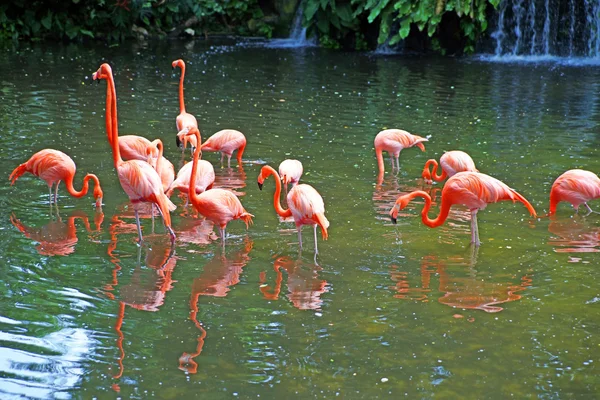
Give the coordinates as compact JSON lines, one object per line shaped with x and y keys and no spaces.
{"x":113,"y":133}
{"x":181,"y":102}
{"x":159,"y":145}
{"x":276,"y":197}
{"x":80,"y":193}
{"x":192,"y":195}
{"x":437,"y":178}
{"x":444,"y":209}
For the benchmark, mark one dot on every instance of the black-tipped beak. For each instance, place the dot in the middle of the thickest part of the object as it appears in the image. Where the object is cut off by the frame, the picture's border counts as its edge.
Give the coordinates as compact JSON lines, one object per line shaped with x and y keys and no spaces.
{"x":177,"y":141}
{"x":394,"y":221}
{"x":260,"y":185}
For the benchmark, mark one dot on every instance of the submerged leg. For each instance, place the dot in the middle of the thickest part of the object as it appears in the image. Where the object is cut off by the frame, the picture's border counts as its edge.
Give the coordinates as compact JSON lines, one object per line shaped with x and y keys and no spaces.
{"x":168,"y":228}
{"x":222,"y":156}
{"x":316,"y":248}
{"x":222,"y":233}
{"x":474,"y":228}
{"x":299,"y":228}
{"x":139,"y":227}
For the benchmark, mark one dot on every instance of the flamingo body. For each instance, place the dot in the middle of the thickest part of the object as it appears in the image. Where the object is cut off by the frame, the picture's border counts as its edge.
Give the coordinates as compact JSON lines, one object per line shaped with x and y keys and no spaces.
{"x":394,"y":141}
{"x":575,"y":186}
{"x":452,"y":162}
{"x":164,"y":167}
{"x":205,"y":177}
{"x":133,"y":147}
{"x":53,"y":166}
{"x":226,"y":141}
{"x":471,"y":189}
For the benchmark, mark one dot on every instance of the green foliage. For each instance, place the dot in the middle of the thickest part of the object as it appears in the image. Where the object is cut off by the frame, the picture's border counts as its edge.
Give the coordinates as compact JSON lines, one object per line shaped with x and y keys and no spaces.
{"x":114,"y":19}
{"x":340,"y":20}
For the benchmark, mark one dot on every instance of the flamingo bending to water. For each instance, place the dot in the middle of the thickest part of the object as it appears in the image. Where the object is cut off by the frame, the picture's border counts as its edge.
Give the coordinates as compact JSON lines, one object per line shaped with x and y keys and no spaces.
{"x":451,"y":162}
{"x":304,"y":202}
{"x":576,"y":186}
{"x":204,"y":179}
{"x":472,"y":189}
{"x":184,"y":119}
{"x":139,"y":180}
{"x":164,"y":167}
{"x":394,"y":141}
{"x":226,"y":141}
{"x":290,"y":172}
{"x":53,"y":166}
{"x":217,"y":205}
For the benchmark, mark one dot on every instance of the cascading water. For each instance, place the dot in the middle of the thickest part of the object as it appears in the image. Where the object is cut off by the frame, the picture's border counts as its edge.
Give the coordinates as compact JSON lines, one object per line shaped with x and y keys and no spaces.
{"x":297,"y":36}
{"x":548,"y":28}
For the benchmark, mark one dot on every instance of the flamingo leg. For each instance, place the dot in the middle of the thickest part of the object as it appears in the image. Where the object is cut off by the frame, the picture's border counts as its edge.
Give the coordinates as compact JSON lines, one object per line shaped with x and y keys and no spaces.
{"x":56,"y":192}
{"x":316,"y":248}
{"x":474,"y":228}
{"x":299,"y":228}
{"x":392,"y":160}
{"x":222,"y":156}
{"x":50,"y":195}
{"x":168,"y":228}
{"x":139,"y":227}
{"x":228,"y":160}
{"x":398,"y":162}
{"x":222,"y":233}
{"x":589,"y":209}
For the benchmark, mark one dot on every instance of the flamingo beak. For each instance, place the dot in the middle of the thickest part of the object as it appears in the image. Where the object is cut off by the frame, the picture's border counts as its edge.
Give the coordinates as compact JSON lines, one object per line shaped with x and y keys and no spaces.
{"x":394,"y":221}
{"x":260,"y":185}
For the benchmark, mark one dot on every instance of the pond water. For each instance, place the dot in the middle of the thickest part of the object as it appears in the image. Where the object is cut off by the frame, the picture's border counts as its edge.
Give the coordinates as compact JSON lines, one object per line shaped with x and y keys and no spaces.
{"x":383,"y":310}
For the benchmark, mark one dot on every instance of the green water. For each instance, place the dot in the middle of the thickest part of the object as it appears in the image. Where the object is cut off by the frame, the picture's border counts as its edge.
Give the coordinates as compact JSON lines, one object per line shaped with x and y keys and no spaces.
{"x":385,"y":311}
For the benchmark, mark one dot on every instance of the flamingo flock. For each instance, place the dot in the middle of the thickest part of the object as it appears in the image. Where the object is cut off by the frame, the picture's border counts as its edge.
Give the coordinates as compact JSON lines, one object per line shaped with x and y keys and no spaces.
{"x":147,"y":177}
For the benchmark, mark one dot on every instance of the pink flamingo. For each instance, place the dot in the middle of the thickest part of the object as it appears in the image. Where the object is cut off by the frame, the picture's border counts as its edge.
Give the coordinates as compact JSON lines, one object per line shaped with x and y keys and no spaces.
{"x":472,"y":189}
{"x":452,"y":162}
{"x":139,"y":180}
{"x":394,"y":141}
{"x":217,"y":205}
{"x":305,"y":205}
{"x":226,"y":141}
{"x":53,"y":166}
{"x":204,"y":179}
{"x":184,"y":119}
{"x":290,"y":172}
{"x":576,"y":186}
{"x":164,"y":167}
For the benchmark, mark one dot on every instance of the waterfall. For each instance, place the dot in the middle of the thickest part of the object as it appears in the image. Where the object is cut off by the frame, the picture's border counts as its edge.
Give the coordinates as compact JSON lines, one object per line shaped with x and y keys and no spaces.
{"x":297,"y":36}
{"x":548,"y":28}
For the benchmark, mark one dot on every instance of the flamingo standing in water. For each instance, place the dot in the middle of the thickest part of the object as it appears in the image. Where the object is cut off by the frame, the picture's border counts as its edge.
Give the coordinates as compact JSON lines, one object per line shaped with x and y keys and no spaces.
{"x":226,"y":141}
{"x":451,"y":162}
{"x":290,"y":172}
{"x":53,"y":166}
{"x":164,"y":167}
{"x":184,"y":119}
{"x":305,"y":205}
{"x":217,"y":205}
{"x":139,"y":180}
{"x":394,"y":141}
{"x":576,"y":186}
{"x":472,"y":189}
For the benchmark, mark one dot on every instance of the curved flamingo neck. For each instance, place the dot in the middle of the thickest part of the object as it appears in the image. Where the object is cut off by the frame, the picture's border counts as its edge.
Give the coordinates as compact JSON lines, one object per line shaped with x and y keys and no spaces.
{"x":192,"y":195}
{"x":444,"y":209}
{"x":113,"y":134}
{"x":159,"y":145}
{"x":80,"y":193}
{"x":379,"y":154}
{"x":276,"y":197}
{"x":181,"y":102}
{"x":437,"y":178}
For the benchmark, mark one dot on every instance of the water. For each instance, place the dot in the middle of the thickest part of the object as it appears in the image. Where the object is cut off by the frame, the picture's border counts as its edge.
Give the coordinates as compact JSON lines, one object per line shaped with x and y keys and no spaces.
{"x":547,"y":28}
{"x":384,"y":311}
{"x":297,"y":36}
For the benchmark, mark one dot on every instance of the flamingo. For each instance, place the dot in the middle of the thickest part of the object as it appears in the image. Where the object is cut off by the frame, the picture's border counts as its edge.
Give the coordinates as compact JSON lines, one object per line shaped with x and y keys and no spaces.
{"x":305,"y":205}
{"x":452,"y":162}
{"x":290,"y":172}
{"x":204,"y":178}
{"x":576,"y":186}
{"x":53,"y":166}
{"x":217,"y":205}
{"x":184,"y":119}
{"x":472,"y":189}
{"x":139,"y":180}
{"x":164,"y":167}
{"x":226,"y":141}
{"x":394,"y":141}
{"x":133,"y":147}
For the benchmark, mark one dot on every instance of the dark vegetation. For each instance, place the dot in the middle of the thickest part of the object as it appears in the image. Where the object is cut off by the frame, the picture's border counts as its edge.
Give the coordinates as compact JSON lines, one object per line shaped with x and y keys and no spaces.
{"x":451,"y":26}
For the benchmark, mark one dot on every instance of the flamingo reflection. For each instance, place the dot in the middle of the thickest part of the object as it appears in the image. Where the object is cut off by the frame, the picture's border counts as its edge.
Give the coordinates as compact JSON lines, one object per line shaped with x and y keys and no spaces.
{"x":233,"y":179}
{"x":466,"y":292}
{"x":303,"y":283}
{"x":148,"y":285}
{"x":59,"y":237}
{"x":573,"y":235}
{"x":216,"y":279}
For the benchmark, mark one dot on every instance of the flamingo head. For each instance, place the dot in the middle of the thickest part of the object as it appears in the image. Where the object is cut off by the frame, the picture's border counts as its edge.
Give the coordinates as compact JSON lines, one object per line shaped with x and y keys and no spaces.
{"x":426,"y":175}
{"x":286,"y":179}
{"x":400,"y":204}
{"x":103,"y":72}
{"x":98,"y":195}
{"x":191,"y":131}
{"x":178,"y":63}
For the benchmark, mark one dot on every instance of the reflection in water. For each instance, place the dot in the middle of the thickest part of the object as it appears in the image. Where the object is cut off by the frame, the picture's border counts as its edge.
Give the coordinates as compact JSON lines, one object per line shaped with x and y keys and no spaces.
{"x":58,"y":237}
{"x":387,"y":191}
{"x":216,"y":279}
{"x":232,"y":179}
{"x":147,"y":287}
{"x":303,"y":283}
{"x":573,"y":235}
{"x":469,"y":291}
